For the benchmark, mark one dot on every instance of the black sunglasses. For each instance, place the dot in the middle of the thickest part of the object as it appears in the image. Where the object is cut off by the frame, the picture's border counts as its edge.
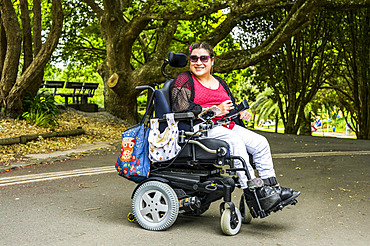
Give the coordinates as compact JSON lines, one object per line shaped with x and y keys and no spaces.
{"x":194,"y":58}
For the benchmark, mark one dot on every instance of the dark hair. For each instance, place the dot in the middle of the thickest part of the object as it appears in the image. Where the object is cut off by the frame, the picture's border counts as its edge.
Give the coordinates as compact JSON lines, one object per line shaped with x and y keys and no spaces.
{"x":202,"y":45}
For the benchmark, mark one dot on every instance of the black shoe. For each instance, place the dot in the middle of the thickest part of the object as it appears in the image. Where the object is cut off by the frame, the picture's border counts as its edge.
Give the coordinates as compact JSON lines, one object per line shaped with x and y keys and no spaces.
{"x":294,"y":195}
{"x":267,"y":196}
{"x":289,"y":201}
{"x":285,"y":193}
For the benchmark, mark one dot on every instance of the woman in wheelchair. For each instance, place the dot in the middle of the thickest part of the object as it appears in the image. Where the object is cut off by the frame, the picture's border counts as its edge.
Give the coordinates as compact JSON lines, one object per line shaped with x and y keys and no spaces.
{"x":198,"y":89}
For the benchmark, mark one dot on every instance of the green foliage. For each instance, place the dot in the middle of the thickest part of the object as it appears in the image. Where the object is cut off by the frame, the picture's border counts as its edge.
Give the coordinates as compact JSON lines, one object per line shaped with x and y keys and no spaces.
{"x":240,"y":83}
{"x":39,"y":118}
{"x":351,"y":80}
{"x":81,"y":43}
{"x":141,"y":101}
{"x":298,"y":70}
{"x":41,"y":110}
{"x":339,"y":123}
{"x":295,"y":73}
{"x":265,"y":106}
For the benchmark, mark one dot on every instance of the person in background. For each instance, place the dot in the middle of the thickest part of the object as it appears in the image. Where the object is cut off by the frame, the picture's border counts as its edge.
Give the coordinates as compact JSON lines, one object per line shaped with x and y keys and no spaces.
{"x":197,"y":90}
{"x":348,"y":129}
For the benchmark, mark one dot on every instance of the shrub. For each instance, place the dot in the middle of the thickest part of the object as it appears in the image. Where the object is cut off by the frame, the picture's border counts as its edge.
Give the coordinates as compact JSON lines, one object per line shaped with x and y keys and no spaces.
{"x":41,"y":110}
{"x":38,"y":118}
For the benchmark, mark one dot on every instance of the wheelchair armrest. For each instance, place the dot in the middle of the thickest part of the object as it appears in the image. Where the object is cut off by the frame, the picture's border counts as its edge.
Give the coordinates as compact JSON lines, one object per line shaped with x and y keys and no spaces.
{"x":180,"y":116}
{"x":238,"y":108}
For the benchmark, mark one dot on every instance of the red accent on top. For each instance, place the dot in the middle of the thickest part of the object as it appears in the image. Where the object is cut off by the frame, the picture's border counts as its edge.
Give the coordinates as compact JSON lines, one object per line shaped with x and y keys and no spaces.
{"x":207,"y":97}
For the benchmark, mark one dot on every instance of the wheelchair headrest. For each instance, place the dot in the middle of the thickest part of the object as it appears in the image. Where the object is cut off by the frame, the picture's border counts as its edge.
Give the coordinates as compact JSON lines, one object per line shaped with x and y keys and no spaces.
{"x":177,"y":59}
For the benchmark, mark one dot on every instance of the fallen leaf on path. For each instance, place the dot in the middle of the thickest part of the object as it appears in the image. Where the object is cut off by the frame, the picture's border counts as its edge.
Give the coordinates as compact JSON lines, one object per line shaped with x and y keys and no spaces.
{"x":91,"y":209}
{"x":342,"y":189}
{"x":83,"y":186}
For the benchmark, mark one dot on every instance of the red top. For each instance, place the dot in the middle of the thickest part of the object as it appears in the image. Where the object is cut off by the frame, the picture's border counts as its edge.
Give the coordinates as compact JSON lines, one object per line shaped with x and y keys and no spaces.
{"x":207,"y":97}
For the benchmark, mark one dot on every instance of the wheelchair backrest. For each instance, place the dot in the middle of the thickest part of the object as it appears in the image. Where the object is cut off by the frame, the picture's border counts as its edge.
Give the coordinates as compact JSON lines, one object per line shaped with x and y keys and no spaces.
{"x":162,"y":100}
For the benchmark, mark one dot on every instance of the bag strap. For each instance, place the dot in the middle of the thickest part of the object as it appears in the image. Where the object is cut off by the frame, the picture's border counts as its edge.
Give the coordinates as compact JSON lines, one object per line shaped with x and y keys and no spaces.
{"x":154,"y":125}
{"x":170,"y":118}
{"x":148,"y":108}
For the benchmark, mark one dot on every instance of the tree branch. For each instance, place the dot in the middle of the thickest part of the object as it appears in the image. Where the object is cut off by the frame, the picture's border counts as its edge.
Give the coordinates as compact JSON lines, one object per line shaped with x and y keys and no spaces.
{"x":95,"y":7}
{"x":344,"y":4}
{"x":298,"y":18}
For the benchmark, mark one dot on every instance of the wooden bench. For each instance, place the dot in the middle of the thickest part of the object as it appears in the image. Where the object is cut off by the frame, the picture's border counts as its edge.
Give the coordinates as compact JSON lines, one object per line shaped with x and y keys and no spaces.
{"x":75,"y":95}
{"x":80,"y":93}
{"x":51,"y":84}
{"x":88,"y":90}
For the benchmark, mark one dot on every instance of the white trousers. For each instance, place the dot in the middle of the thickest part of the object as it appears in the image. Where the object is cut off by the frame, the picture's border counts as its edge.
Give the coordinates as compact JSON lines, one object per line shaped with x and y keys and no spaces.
{"x":243,"y":141}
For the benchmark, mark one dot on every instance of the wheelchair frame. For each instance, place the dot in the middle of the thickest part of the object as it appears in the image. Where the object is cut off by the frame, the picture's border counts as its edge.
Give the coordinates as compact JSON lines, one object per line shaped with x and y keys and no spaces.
{"x":188,"y":184}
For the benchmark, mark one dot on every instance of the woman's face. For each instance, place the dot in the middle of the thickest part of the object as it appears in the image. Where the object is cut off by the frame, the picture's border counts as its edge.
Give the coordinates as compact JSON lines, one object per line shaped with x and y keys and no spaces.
{"x":201,"y":68}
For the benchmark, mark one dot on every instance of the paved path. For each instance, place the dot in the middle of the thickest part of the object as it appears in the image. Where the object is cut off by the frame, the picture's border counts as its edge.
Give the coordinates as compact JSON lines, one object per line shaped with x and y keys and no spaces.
{"x":84,"y":202}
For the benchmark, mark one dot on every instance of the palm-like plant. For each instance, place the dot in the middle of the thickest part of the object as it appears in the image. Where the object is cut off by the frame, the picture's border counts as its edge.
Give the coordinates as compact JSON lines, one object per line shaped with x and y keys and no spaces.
{"x":265,"y":106}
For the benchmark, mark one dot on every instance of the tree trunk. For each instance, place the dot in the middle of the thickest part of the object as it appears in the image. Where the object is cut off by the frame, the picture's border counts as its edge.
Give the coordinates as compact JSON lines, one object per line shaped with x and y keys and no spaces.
{"x":37,"y":26}
{"x":124,"y":107}
{"x":364,"y":77}
{"x":3,"y":46}
{"x":27,"y":35}
{"x":14,"y":90}
{"x":34,"y":87}
{"x":13,"y":51}
{"x":120,"y":96}
{"x":292,"y":82}
{"x":306,"y":128}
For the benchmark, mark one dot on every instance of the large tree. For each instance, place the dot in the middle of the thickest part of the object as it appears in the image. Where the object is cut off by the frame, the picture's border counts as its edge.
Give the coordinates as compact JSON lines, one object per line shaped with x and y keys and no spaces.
{"x":152,"y":26}
{"x":308,"y":59}
{"x":139,"y":34}
{"x":297,"y":71}
{"x":14,"y":84}
{"x":351,"y":79}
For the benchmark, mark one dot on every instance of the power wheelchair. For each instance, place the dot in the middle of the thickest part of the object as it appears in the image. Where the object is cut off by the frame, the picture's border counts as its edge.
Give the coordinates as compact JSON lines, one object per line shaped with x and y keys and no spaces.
{"x":196,"y":177}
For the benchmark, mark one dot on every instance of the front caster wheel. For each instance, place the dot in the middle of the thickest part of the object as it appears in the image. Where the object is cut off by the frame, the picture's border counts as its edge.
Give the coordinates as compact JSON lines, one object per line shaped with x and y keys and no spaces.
{"x":155,"y":206}
{"x":230,"y":224}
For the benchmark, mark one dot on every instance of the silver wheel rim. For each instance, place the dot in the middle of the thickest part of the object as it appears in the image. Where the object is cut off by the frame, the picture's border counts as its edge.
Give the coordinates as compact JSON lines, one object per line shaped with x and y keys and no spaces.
{"x":153,"y":206}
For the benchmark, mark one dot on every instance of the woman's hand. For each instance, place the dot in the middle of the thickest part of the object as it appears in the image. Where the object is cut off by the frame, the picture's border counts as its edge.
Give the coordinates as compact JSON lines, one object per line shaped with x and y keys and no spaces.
{"x":245,"y":115}
{"x":225,"y":107}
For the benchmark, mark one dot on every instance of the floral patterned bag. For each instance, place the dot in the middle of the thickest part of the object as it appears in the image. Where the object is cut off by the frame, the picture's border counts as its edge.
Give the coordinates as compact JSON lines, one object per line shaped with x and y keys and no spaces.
{"x":133,"y":162}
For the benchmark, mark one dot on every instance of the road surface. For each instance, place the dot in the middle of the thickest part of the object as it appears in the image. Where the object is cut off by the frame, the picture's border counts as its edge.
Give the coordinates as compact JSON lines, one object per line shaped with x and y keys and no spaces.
{"x":84,"y":202}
